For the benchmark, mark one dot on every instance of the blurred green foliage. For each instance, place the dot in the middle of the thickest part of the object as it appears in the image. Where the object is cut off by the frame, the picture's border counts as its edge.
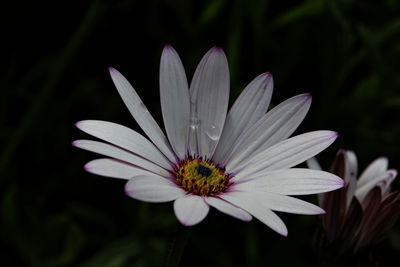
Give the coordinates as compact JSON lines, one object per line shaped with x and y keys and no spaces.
{"x":55,"y":58}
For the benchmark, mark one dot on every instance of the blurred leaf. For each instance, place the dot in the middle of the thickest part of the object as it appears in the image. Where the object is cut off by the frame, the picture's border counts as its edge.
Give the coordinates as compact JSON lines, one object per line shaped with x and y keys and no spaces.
{"x":66,"y":237}
{"x":8,"y":208}
{"x":393,"y":102}
{"x":211,"y":11}
{"x":308,"y":8}
{"x":119,"y":253}
{"x":235,"y":36}
{"x":94,"y":217}
{"x":367,"y":89}
{"x":11,"y":225}
{"x":391,"y":30}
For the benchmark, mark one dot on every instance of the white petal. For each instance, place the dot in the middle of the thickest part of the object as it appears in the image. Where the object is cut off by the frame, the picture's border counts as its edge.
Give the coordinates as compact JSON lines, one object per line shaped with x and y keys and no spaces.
{"x":114,"y":168}
{"x":351,"y":166}
{"x":292,"y":181}
{"x":375,"y":169}
{"x":174,"y":93}
{"x":209,"y":92}
{"x":190,"y":209}
{"x":277,"y":125}
{"x":363,"y":190}
{"x":287,"y":153}
{"x":141,"y":114}
{"x":152,"y":188}
{"x":120,"y":154}
{"x":252,"y":103}
{"x":350,"y":175}
{"x":290,"y":204}
{"x":228,"y":208}
{"x":284,"y":203}
{"x":125,"y":138}
{"x":313,"y":164}
{"x":252,"y":205}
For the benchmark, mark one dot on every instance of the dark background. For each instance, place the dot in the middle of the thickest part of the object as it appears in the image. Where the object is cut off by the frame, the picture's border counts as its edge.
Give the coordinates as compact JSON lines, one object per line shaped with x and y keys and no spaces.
{"x":54,"y":73}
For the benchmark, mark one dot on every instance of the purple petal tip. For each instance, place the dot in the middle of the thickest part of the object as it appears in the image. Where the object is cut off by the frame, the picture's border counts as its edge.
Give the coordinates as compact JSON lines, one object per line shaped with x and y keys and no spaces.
{"x":111,"y":69}
{"x":334,"y":135}
{"x":167,"y":47}
{"x":267,"y":75}
{"x":127,"y":192}
{"x":185,"y":224}
{"x":309,"y":96}
{"x":217,"y":49}
{"x":73,"y":143}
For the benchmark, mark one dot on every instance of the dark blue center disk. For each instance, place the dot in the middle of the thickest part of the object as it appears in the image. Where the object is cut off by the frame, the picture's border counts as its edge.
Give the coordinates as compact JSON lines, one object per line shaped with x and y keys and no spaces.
{"x":203,"y":170}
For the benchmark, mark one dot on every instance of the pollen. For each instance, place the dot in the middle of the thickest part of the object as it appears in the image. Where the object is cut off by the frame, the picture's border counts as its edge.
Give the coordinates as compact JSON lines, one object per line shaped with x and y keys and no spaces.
{"x":201,"y":177}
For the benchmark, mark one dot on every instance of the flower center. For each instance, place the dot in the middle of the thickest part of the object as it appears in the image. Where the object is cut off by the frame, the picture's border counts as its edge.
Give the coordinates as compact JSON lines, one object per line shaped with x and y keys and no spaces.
{"x":201,"y":177}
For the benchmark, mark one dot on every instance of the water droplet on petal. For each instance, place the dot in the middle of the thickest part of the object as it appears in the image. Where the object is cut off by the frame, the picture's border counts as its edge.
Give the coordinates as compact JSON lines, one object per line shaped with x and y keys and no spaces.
{"x":213,"y":132}
{"x":194,"y":123}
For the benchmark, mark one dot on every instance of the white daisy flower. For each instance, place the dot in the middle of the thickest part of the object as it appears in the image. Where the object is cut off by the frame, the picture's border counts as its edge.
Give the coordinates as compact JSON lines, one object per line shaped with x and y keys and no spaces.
{"x":239,"y":163}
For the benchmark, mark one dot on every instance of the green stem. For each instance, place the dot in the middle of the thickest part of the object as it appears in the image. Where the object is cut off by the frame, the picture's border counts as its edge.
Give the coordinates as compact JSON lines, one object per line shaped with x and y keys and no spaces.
{"x":182,"y":235}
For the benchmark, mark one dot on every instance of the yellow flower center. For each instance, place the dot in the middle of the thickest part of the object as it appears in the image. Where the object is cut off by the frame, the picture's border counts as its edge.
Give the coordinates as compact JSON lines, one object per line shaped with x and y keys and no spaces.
{"x":201,"y":177}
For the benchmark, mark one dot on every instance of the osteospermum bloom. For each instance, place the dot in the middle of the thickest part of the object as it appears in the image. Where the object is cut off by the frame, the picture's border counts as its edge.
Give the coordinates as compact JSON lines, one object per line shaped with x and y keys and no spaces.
{"x":365,"y":208}
{"x":239,"y":163}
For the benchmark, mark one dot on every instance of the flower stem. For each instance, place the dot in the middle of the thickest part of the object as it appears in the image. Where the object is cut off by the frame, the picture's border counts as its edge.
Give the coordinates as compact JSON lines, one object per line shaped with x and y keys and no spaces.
{"x":182,"y":234}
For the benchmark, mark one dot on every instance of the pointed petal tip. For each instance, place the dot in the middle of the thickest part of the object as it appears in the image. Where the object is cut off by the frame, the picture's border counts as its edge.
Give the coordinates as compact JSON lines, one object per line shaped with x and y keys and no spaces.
{"x":306,"y":96}
{"x":329,"y":134}
{"x":78,"y":124}
{"x":334,"y":135}
{"x":167,"y":50}
{"x":267,"y":76}
{"x":217,"y":49}
{"x":74,"y":143}
{"x":392,"y":173}
{"x":111,"y":69}
{"x":167,"y":47}
{"x":337,"y":183}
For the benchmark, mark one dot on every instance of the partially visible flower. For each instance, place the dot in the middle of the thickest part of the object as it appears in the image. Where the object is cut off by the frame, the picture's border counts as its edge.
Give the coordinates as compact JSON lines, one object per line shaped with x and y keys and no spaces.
{"x":365,"y":208}
{"x":239,"y":163}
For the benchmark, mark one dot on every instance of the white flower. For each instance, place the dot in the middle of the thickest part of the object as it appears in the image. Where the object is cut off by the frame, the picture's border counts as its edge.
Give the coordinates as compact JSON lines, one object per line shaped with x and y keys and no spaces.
{"x":239,"y":163}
